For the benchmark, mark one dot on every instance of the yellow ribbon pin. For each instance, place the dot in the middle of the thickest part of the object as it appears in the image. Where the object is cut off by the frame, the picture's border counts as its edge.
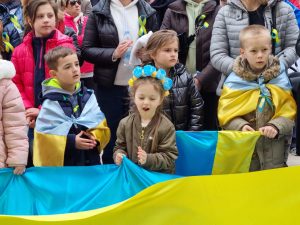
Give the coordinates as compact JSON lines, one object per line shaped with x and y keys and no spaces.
{"x":142,"y":24}
{"x":8,"y":46}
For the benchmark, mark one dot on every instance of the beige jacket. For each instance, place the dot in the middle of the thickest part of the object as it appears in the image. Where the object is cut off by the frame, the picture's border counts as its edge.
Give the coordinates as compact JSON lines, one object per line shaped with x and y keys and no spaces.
{"x":129,"y":138}
{"x":13,"y":130}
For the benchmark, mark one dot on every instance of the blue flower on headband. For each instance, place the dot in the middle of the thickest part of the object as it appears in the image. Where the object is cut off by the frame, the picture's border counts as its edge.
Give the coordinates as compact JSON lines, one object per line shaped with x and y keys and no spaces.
{"x":161,"y":74}
{"x":137,"y":72}
{"x":149,"y":70}
{"x":167,"y":83}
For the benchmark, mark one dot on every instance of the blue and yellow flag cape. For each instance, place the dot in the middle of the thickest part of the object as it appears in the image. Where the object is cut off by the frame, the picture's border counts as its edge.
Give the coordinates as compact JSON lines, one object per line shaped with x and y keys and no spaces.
{"x":53,"y":126}
{"x":240,"y":97}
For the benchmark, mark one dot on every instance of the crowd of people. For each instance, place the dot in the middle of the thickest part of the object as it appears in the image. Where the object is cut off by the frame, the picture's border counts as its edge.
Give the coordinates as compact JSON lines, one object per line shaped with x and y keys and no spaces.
{"x":71,"y":96}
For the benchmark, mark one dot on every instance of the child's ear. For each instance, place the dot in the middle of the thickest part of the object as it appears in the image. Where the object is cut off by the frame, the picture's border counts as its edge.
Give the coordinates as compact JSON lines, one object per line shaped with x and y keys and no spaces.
{"x":152,"y":55}
{"x":52,"y":73}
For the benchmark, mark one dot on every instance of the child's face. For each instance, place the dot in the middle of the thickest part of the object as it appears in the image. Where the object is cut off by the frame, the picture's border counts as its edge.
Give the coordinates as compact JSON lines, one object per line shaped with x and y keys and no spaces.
{"x":167,"y":56}
{"x":44,"y":22}
{"x":67,"y":72}
{"x":147,"y":99}
{"x":256,"y":50}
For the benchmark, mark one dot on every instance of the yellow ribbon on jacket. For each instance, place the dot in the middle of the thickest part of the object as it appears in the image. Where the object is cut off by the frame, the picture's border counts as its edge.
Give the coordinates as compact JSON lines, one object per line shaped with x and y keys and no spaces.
{"x":6,"y":40}
{"x":14,"y":20}
{"x":142,"y":24}
{"x":235,"y":103}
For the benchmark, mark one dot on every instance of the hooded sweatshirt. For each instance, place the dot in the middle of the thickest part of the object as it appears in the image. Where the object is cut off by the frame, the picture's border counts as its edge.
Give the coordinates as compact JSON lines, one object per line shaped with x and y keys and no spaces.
{"x":126,"y":21}
{"x":193,"y":9}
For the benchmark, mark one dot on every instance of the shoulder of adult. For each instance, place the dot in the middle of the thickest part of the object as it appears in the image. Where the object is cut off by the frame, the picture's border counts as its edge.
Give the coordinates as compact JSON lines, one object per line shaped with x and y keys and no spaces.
{"x":179,"y":6}
{"x":145,"y":9}
{"x":102,"y":7}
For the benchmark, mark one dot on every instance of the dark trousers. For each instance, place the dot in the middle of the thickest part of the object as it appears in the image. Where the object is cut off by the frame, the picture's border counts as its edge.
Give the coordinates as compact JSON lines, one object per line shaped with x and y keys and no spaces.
{"x":114,"y":103}
{"x":210,"y":119}
{"x":295,"y":80}
{"x":30,"y":135}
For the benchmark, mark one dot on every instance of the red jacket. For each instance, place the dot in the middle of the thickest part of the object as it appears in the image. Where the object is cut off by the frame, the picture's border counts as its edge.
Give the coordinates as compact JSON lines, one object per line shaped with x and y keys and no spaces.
{"x":295,"y":3}
{"x":23,"y":60}
{"x":69,"y":22}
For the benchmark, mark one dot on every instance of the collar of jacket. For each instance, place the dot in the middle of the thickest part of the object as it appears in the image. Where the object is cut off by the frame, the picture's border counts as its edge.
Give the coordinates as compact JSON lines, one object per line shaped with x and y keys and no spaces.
{"x":239,"y":4}
{"x":180,"y":7}
{"x":242,"y":69}
{"x":103,"y":8}
{"x":56,"y":36}
{"x":159,"y":4}
{"x":177,"y":70}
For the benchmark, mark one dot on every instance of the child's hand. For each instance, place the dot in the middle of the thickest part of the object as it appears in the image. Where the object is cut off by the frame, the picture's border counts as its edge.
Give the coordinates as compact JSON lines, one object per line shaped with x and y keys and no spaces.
{"x":31,"y":122}
{"x":197,"y":84}
{"x":142,"y":156}
{"x":119,"y":158}
{"x":84,"y":143}
{"x":247,"y":128}
{"x":269,"y":131}
{"x":19,"y":170}
{"x":89,"y":135}
{"x":32,"y":112}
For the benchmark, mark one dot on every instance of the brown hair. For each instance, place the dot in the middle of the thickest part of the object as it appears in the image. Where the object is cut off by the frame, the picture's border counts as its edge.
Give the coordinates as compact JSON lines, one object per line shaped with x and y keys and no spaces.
{"x":253,"y":31}
{"x":157,"y":85}
{"x":157,"y":40}
{"x":31,"y":8}
{"x":54,"y":54}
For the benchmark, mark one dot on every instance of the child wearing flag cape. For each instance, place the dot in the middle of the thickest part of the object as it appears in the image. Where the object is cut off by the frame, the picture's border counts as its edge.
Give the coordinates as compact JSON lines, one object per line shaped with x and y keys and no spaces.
{"x":70,"y":129}
{"x":257,"y":96}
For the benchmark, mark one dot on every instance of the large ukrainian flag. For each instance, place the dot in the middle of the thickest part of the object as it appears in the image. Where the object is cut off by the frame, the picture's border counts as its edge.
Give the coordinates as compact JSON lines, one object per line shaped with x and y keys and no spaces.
{"x":260,"y":198}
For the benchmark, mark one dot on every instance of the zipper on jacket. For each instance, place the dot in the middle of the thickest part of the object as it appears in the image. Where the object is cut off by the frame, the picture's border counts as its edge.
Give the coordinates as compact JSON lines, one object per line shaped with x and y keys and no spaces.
{"x":142,"y":137}
{"x":41,"y":54}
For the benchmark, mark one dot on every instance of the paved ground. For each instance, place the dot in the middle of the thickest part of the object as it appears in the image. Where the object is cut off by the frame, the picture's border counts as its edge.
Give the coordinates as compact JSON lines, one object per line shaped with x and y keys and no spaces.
{"x":293,"y":160}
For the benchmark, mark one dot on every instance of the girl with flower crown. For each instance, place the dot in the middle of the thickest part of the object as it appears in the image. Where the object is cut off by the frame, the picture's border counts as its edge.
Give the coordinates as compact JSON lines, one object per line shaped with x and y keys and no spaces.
{"x":146,"y":136}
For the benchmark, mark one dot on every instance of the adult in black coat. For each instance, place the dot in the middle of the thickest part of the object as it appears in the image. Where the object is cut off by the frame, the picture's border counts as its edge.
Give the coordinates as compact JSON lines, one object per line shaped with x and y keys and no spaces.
{"x":102,"y":47}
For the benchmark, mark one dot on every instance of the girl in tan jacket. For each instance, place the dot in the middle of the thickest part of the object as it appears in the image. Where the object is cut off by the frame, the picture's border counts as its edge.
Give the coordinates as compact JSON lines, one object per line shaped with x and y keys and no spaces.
{"x":13,"y":131}
{"x":146,"y":136}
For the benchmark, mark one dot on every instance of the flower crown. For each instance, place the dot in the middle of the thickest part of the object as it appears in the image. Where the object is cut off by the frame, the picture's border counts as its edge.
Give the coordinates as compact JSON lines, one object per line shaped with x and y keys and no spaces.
{"x":150,"y":71}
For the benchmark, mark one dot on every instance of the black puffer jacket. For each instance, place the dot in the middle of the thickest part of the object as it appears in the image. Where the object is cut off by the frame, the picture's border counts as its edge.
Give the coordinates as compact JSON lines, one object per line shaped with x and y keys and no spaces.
{"x":184,"y":105}
{"x":101,"y":39}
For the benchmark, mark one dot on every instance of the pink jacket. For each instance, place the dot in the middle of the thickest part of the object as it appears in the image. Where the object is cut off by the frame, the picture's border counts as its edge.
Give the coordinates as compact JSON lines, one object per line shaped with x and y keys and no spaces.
{"x":13,"y":130}
{"x":69,"y":22}
{"x":23,"y":60}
